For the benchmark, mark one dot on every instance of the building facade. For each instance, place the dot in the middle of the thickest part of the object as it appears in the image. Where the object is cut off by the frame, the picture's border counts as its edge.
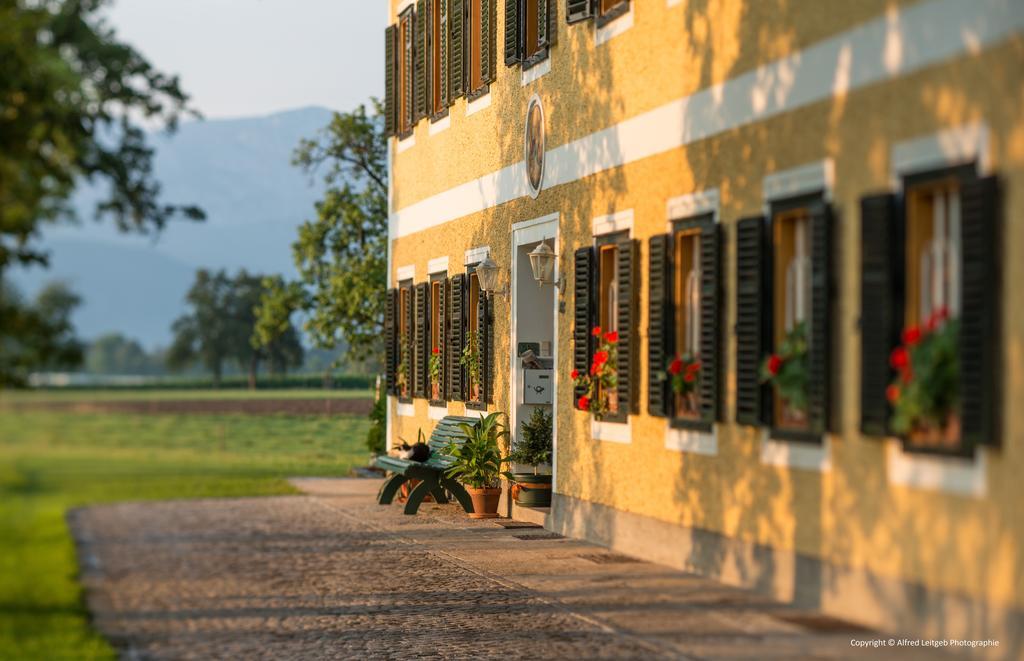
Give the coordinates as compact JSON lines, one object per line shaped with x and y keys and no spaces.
{"x":801,"y":224}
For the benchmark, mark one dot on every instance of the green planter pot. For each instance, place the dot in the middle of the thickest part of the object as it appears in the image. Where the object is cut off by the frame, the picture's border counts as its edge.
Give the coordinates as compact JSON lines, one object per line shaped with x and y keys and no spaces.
{"x":532,"y":490}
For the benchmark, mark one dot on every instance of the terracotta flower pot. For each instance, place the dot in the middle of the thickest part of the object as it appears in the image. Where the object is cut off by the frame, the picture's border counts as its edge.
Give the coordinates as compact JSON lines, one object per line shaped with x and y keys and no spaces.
{"x":485,"y":502}
{"x":474,"y":393}
{"x":934,"y":436}
{"x":613,"y":401}
{"x":407,"y":487}
{"x":686,"y":405}
{"x":435,"y":390}
{"x":792,"y":418}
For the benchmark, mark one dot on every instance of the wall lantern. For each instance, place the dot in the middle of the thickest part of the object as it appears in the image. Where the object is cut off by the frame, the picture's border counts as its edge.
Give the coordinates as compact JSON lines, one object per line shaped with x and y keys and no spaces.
{"x":542,"y":262}
{"x":487,"y":275}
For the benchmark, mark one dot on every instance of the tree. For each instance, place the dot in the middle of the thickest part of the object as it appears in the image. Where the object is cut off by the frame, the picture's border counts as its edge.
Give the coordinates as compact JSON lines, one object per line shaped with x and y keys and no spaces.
{"x":221,"y":326}
{"x":71,"y":99}
{"x":274,"y":334}
{"x":113,"y":353}
{"x":37,"y":335}
{"x":342,"y":255}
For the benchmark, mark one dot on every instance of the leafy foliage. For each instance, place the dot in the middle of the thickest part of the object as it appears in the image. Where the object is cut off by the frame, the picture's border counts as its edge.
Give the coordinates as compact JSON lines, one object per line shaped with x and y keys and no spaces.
{"x":113,"y":353}
{"x":435,"y":365}
{"x":470,"y":359}
{"x":684,"y":372}
{"x":787,"y":369}
{"x":37,"y":335}
{"x":274,"y":335}
{"x":534,"y":444}
{"x":603,"y":377}
{"x":926,"y":391}
{"x":376,"y":435}
{"x":477,"y":462}
{"x":71,"y":98}
{"x":341,"y":256}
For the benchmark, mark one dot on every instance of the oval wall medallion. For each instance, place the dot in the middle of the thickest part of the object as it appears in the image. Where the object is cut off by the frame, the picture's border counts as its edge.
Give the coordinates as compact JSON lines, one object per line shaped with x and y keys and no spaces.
{"x":534,"y":145}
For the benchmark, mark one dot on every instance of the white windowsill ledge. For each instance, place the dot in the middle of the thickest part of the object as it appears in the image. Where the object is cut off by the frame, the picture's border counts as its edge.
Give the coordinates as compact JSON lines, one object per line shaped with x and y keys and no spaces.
{"x":440,"y":125}
{"x":691,"y":441}
{"x":792,"y":454}
{"x":406,"y":409}
{"x":616,"y":27}
{"x":616,"y":432}
{"x":954,"y":475}
{"x":437,"y":412}
{"x":406,"y":144}
{"x":476,"y":105}
{"x":536,"y":71}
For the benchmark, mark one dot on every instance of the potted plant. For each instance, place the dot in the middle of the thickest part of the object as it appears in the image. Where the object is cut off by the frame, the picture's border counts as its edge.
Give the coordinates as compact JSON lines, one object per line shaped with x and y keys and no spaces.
{"x":532,"y":448}
{"x":477,"y":463}
{"x":787,"y":371}
{"x":684,"y":375}
{"x":470,"y":359}
{"x":925,"y":396}
{"x":600,"y":395}
{"x":434,"y":366}
{"x":402,"y":376}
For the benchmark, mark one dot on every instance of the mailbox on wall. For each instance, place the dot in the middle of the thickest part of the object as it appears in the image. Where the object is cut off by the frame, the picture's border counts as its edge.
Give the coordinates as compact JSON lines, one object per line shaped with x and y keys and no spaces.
{"x":537,"y":386}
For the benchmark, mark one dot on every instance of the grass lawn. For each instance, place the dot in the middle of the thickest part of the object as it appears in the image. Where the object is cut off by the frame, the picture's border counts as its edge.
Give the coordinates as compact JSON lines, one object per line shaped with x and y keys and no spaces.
{"x":127,"y":395}
{"x":50,"y":462}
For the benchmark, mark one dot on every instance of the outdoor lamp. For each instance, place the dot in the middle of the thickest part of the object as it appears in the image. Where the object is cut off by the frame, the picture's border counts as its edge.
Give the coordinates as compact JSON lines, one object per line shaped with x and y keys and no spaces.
{"x":487,"y":275}
{"x":542,"y":262}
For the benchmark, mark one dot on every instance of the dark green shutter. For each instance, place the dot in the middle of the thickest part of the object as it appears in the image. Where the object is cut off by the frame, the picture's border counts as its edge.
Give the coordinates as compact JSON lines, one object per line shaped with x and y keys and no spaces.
{"x":443,"y":314}
{"x":457,"y":338}
{"x":421,"y":340}
{"x":390,"y":337}
{"x":421,"y":59}
{"x":710,"y":311}
{"x":752,"y":303}
{"x":583,"y":311}
{"x":485,"y":345}
{"x":547,"y":15}
{"x":819,"y":348}
{"x":659,"y":324}
{"x":456,"y":49}
{"x":488,"y":51}
{"x":626,"y":256}
{"x":408,"y":80}
{"x":445,"y":53}
{"x":410,"y":339}
{"x":390,"y":80}
{"x":513,"y":33}
{"x":578,"y":10}
{"x":880,"y":311}
{"x":980,"y":287}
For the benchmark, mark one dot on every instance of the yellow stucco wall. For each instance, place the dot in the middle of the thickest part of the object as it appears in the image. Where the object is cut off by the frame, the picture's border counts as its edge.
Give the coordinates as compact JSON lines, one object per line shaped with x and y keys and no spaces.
{"x":849,"y":515}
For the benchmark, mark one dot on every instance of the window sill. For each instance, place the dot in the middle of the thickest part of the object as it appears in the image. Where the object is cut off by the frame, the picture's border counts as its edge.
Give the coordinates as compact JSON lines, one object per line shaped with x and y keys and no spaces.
{"x":439,"y":122}
{"x":965,"y":476}
{"x":478,"y":100}
{"x":612,"y":25}
{"x":535,"y":68}
{"x":789,"y":454}
{"x":616,"y":432}
{"x":405,"y":141}
{"x":476,"y":406}
{"x":437,"y":410}
{"x":406,"y":409}
{"x":691,"y":440}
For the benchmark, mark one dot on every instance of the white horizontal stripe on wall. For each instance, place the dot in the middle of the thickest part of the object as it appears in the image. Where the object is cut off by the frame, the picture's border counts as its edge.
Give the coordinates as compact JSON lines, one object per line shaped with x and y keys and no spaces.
{"x":896,"y":44}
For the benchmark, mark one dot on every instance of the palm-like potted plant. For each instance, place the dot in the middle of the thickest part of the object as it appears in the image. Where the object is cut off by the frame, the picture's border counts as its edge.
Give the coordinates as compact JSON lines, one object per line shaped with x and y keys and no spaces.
{"x":532,"y":448}
{"x":470,"y":359}
{"x":476,"y":463}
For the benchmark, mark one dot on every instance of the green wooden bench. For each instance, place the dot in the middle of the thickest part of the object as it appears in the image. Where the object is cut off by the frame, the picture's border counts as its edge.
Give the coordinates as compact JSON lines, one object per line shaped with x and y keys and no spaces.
{"x":430,"y":473}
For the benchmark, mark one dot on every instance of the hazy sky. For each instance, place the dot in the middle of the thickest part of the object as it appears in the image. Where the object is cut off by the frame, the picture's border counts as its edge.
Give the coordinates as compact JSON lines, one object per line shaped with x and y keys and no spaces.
{"x":253,"y":57}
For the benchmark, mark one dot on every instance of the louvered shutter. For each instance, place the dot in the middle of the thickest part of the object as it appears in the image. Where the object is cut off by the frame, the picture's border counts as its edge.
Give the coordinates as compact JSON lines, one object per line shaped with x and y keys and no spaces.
{"x":421,"y":59}
{"x":443,"y":315}
{"x":390,"y":80}
{"x":457,"y":338}
{"x":408,"y":85}
{"x":444,"y":86}
{"x":583,"y":311}
{"x":390,"y":341}
{"x":626,"y":317}
{"x":409,"y":339}
{"x":421,"y":338}
{"x":752,"y":304}
{"x":488,"y":51}
{"x":880,"y":258}
{"x":710,"y":311}
{"x":547,"y":17}
{"x":513,"y":33}
{"x":485,"y":345}
{"x":979,"y":316}
{"x":578,"y":10}
{"x":456,"y":49}
{"x":659,"y":324}
{"x":819,"y":347}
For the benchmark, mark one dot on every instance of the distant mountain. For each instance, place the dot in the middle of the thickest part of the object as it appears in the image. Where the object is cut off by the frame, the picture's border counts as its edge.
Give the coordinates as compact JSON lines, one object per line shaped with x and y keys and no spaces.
{"x":239,"y":171}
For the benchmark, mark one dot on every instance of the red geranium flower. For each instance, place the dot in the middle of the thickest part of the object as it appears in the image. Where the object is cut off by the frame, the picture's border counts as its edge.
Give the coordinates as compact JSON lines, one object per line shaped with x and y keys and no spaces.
{"x":594,"y":369}
{"x":911,"y":336}
{"x":584,"y":403}
{"x":693,"y":367}
{"x":892,"y":393}
{"x":675,"y":367}
{"x":601,"y":357}
{"x":689,"y":377}
{"x":774,"y":364}
{"x":907,"y":375}
{"x":575,"y":374}
{"x":596,"y":332}
{"x":899,"y":358}
{"x":612,"y":337}
{"x":938,"y":316}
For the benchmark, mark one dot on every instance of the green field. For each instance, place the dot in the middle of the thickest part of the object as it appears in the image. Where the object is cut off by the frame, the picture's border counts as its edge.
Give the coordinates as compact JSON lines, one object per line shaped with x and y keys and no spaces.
{"x":88,"y":395}
{"x":50,"y":462}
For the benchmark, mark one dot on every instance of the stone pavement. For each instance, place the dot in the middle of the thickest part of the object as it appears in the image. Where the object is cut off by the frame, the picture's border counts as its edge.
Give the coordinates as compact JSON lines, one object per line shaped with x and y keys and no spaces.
{"x":333,"y":575}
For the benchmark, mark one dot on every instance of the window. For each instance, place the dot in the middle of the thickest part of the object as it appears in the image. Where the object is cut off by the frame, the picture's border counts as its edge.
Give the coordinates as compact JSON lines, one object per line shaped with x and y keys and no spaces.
{"x":405,"y":341}
{"x":473,"y":360}
{"x":476,"y":43}
{"x":438,"y":39}
{"x":686,"y":288}
{"x":438,"y":334}
{"x":610,"y":284}
{"x":932,"y":248}
{"x":405,"y":81}
{"x":609,"y":10}
{"x":531,"y":28}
